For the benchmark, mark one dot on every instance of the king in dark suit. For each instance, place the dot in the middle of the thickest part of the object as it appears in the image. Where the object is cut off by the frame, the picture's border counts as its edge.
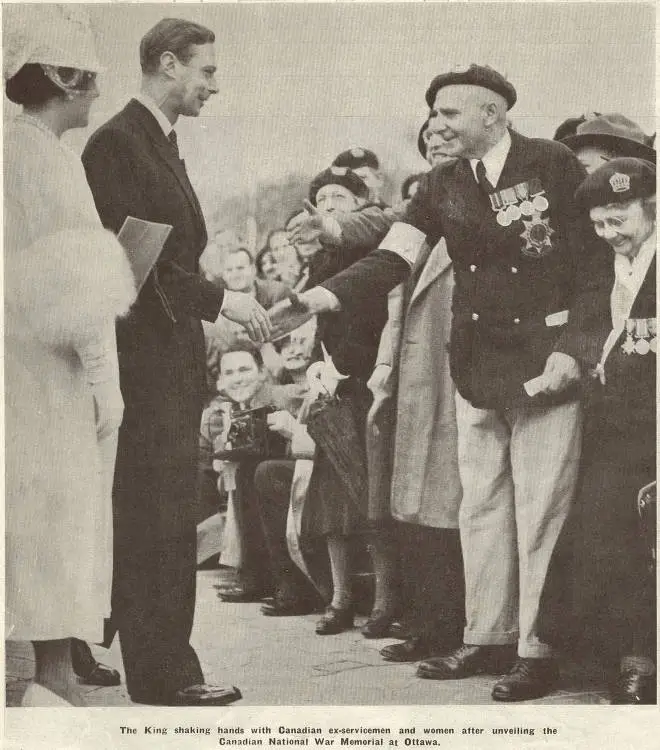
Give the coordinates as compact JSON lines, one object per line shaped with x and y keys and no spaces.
{"x":527,"y":273}
{"x":133,"y":167}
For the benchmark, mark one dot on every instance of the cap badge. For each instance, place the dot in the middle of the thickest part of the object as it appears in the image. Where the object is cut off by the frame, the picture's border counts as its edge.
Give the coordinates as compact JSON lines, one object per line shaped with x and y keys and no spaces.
{"x":620,"y":182}
{"x":461,"y":68}
{"x":357,"y":153}
{"x":339,"y":171}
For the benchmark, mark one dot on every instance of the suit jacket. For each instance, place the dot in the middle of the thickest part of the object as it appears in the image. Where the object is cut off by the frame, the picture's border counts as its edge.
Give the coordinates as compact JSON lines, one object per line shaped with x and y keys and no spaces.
{"x":510,"y":301}
{"x":133,"y":169}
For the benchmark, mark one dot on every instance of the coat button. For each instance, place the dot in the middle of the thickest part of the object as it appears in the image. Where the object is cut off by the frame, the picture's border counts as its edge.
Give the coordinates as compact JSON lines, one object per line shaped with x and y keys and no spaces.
{"x":514,"y":269}
{"x":516,"y":320}
{"x":473,"y":269}
{"x":475,"y":316}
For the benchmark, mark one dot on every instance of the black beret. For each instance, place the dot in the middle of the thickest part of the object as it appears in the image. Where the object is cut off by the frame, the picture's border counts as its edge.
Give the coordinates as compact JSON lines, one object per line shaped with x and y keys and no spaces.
{"x":338,"y":176}
{"x":473,"y":75}
{"x":355,"y":158}
{"x":619,"y":181}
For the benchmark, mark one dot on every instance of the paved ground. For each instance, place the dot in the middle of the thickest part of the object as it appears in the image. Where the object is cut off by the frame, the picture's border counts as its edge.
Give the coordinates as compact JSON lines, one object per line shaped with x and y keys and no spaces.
{"x":281,"y":661}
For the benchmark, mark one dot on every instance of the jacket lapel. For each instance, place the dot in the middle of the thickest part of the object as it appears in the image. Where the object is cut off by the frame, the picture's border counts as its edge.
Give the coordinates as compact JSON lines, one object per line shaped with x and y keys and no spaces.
{"x":438,"y":261}
{"x":163,"y":148}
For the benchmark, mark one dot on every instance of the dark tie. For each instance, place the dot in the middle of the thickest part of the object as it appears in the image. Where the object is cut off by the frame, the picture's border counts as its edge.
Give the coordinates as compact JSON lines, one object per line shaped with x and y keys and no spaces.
{"x":175,"y":144}
{"x":482,"y":179}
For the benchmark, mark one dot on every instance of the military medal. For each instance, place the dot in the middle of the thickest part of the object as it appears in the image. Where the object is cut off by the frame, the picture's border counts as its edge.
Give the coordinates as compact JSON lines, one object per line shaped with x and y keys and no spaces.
{"x":539,"y":201}
{"x":537,"y":236}
{"x":514,"y":213}
{"x":642,"y":346}
{"x":522,"y":191}
{"x":501,"y":212}
{"x":628,"y":345}
{"x":653,"y":344}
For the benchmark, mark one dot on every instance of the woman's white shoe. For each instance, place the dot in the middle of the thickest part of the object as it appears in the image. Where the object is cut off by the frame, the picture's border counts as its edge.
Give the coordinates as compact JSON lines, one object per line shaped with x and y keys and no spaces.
{"x":39,"y":696}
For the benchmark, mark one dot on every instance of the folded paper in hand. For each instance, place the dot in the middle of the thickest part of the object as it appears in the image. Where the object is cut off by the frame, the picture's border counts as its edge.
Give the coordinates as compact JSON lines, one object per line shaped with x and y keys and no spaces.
{"x":143,"y":242}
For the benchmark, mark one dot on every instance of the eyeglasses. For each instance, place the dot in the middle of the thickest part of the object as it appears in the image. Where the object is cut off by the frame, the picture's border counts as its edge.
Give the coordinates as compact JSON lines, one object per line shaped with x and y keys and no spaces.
{"x":70,"y":79}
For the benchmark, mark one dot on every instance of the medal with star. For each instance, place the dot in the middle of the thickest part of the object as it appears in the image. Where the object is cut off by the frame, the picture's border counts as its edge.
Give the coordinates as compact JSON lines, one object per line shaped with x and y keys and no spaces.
{"x":537,"y":236}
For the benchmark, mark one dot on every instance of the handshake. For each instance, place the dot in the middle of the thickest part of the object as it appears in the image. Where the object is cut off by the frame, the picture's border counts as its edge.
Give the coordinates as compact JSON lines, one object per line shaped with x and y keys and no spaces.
{"x":282,"y":318}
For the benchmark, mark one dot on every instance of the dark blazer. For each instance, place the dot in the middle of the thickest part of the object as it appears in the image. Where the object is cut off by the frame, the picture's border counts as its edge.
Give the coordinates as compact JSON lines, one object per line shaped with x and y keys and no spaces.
{"x":133,"y":169}
{"x":505,"y":292}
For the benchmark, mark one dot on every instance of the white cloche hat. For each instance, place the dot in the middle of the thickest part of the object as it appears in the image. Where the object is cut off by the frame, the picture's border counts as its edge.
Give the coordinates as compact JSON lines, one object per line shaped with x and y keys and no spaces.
{"x":58,"y":35}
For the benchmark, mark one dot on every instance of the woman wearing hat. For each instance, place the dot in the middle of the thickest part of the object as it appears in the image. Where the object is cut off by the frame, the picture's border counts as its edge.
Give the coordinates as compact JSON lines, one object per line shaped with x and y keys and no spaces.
{"x":66,"y":281}
{"x":600,"y":594}
{"x":604,"y":137}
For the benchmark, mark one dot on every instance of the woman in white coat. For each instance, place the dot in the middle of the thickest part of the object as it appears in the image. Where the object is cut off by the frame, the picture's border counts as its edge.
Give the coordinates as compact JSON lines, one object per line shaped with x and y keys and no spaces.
{"x":66,"y":279}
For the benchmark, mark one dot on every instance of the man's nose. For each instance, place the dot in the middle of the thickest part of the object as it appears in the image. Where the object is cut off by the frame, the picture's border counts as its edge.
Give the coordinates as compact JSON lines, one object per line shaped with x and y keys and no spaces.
{"x":213,"y":86}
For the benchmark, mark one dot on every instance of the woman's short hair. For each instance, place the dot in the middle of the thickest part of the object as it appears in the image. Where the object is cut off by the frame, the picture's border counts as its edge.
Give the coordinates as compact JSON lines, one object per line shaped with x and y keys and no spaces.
{"x":172,"y":35}
{"x":259,"y":260}
{"x":31,"y":87}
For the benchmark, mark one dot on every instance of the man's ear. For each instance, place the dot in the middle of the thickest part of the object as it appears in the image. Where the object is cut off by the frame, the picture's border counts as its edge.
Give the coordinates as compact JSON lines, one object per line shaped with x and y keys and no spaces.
{"x":168,"y":63}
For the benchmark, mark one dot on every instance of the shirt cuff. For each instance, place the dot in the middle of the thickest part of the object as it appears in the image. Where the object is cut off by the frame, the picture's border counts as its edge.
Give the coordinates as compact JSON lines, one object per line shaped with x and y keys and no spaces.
{"x":404,"y":240}
{"x":332,"y":303}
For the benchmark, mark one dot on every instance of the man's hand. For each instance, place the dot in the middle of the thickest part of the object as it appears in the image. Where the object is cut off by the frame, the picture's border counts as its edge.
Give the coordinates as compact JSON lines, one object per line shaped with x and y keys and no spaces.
{"x":560,"y":372}
{"x":316,"y":226}
{"x":244,"y":309}
{"x":318,"y":299}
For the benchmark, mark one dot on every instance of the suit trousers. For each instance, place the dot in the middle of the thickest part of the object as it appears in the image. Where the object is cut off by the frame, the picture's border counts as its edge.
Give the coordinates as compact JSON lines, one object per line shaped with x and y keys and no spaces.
{"x":519,"y":470}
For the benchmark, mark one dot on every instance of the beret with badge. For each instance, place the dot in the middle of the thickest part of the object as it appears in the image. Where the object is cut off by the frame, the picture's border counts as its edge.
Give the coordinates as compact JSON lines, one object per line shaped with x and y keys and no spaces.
{"x":619,"y":181}
{"x":355,"y":158}
{"x":338,"y":176}
{"x":473,"y":75}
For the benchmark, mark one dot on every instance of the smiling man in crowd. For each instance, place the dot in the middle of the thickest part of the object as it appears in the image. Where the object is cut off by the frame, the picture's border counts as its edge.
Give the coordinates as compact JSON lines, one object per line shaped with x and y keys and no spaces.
{"x":134,"y":169}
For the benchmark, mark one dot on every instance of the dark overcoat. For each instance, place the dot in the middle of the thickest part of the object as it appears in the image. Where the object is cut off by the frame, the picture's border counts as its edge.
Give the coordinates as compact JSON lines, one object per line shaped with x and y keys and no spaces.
{"x":600,"y":592}
{"x":133,"y":169}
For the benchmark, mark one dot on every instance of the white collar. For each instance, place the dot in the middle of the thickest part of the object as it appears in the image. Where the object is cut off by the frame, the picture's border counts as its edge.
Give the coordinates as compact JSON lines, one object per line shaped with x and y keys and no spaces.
{"x":631,"y":274}
{"x":494,"y":159}
{"x":165,"y":125}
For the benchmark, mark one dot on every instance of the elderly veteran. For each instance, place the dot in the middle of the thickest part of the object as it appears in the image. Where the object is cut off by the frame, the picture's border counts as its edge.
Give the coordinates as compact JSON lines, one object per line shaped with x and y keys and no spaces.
{"x":521,"y":253}
{"x":605,"y":137}
{"x":599,"y":596}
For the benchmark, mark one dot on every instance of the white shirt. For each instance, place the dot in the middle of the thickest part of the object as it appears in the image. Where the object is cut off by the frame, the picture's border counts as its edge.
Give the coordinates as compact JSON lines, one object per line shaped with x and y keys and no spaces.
{"x":156,"y":111}
{"x":494,"y":159}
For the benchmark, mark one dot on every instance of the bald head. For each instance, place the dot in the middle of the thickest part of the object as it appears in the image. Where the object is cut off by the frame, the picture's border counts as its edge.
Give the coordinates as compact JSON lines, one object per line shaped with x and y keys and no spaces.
{"x":470,"y":119}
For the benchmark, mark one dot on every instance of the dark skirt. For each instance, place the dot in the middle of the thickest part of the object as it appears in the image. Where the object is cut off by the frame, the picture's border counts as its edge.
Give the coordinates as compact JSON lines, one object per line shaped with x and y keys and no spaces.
{"x":330,"y":509}
{"x":599,"y":595}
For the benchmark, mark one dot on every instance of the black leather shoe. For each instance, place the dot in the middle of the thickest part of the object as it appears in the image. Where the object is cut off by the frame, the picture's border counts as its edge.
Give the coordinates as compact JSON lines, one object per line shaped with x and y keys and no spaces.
{"x":334,"y":621}
{"x":413,"y":649}
{"x":101,"y":675}
{"x":633,"y":688}
{"x":207,"y":695}
{"x":378,"y":624}
{"x":239,"y":595}
{"x":467,"y":661}
{"x":528,"y":679}
{"x":288,"y":608}
{"x":90,"y":671}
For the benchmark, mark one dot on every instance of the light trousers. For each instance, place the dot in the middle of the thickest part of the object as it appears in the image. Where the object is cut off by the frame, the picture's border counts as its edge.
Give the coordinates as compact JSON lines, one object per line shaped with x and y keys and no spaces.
{"x":519,"y":470}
